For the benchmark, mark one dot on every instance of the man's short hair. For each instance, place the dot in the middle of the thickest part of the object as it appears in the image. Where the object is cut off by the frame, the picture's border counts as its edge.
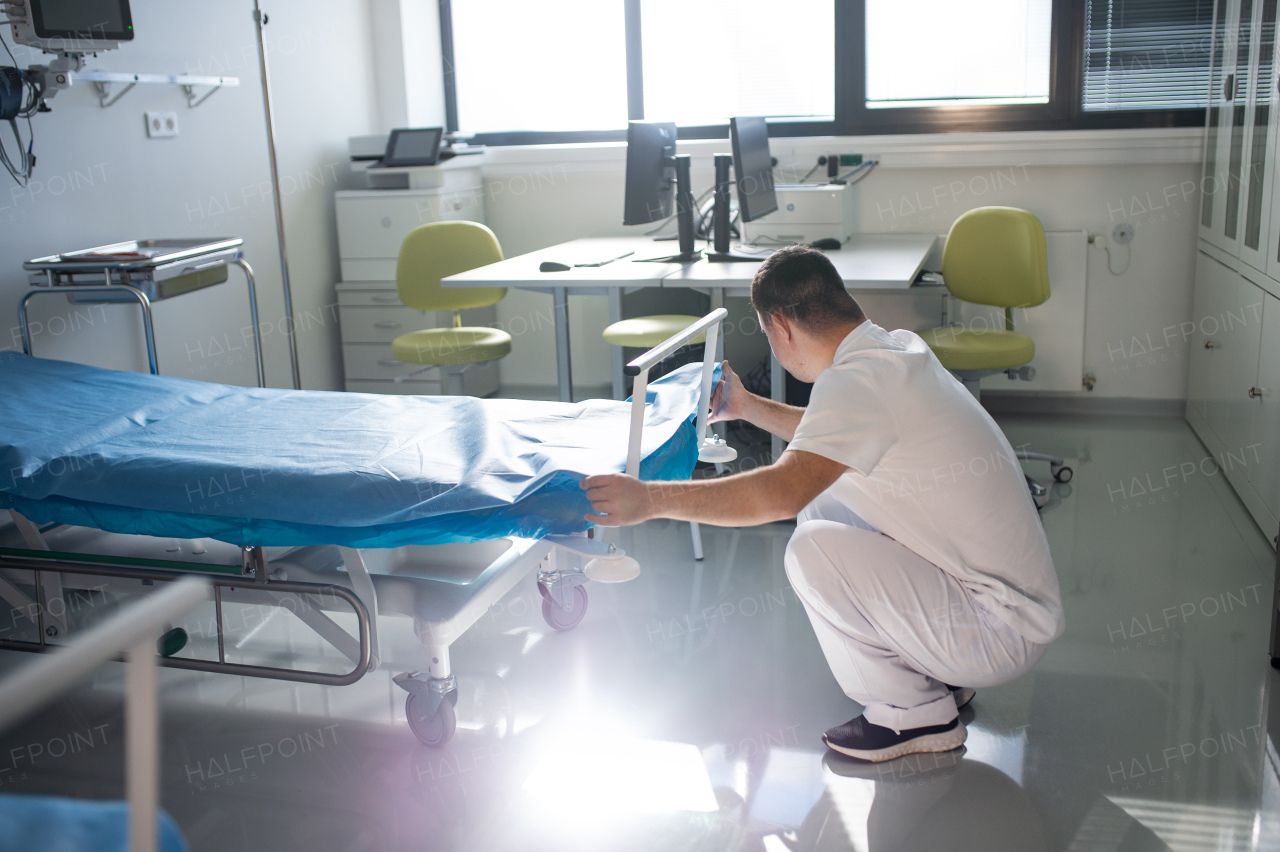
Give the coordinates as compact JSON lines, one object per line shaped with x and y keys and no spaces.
{"x":802,"y":284}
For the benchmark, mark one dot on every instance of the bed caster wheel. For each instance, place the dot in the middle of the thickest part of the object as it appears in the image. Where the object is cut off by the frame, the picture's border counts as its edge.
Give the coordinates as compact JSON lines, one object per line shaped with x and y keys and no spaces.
{"x":1061,"y":472}
{"x":561,"y":619}
{"x":436,"y":730}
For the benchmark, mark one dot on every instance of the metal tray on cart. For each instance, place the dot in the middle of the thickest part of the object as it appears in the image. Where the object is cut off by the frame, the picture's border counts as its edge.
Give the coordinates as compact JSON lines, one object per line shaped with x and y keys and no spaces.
{"x":167,"y":267}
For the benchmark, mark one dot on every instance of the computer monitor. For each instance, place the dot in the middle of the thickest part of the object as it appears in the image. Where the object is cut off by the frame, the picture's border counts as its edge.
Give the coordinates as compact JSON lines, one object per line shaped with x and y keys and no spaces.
{"x":651,"y":172}
{"x":73,"y":26}
{"x":657,"y":180}
{"x":753,"y":165}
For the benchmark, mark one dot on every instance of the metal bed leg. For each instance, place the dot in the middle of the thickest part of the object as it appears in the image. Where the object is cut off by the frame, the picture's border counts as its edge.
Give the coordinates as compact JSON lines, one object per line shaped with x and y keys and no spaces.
{"x":432,"y":697}
{"x":362,"y":585}
{"x":253,"y":315}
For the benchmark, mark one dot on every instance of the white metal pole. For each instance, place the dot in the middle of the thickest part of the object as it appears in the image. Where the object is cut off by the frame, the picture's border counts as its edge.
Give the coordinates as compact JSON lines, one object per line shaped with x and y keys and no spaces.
{"x":260,"y":20}
{"x":142,"y":745}
{"x":639,"y":389}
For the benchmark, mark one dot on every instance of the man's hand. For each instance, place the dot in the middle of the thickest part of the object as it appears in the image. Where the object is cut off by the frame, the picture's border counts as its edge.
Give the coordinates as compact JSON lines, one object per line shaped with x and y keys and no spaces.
{"x":618,"y":500}
{"x":730,"y":397}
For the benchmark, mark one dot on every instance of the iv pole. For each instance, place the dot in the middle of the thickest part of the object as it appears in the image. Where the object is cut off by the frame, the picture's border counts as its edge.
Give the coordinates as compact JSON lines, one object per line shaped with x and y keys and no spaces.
{"x":260,"y":20}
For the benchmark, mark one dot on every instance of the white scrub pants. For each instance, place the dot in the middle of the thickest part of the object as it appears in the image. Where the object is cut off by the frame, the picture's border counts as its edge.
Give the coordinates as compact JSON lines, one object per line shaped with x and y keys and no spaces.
{"x":894,"y":627}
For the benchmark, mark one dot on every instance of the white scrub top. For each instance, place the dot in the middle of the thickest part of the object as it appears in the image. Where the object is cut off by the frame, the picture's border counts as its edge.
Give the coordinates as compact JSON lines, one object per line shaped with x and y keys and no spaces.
{"x":929,"y":468}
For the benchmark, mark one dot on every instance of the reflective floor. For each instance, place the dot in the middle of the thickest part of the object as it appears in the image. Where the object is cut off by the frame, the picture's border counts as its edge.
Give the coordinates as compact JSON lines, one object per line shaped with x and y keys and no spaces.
{"x":685,"y":711}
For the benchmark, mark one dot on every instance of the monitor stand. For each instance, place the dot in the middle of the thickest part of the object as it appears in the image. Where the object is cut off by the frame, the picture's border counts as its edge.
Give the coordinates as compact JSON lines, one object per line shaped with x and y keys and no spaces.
{"x":684,"y":218}
{"x":720,"y":217}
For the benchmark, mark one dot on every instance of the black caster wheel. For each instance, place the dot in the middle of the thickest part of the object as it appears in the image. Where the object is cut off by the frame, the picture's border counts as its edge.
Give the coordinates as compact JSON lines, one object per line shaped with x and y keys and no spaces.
{"x":1062,"y":474}
{"x":558,"y":618}
{"x":439,"y":728}
{"x":171,"y":642}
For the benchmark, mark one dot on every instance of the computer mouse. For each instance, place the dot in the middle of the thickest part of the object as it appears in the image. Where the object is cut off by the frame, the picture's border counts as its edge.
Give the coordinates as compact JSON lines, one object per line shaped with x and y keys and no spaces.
{"x":826,"y":244}
{"x":553,"y":266}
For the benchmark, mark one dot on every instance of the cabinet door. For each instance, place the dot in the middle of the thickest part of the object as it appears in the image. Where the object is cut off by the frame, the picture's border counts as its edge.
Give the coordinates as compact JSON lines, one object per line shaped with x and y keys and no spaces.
{"x":1218,"y":346}
{"x":1263,"y":456}
{"x":1261,"y":127}
{"x":1242,"y":326}
{"x":1220,"y":215}
{"x":1208,"y":291}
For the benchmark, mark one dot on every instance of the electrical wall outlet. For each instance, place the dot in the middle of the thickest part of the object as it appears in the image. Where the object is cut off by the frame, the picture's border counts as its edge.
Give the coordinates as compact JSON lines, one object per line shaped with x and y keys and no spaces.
{"x":162,"y":124}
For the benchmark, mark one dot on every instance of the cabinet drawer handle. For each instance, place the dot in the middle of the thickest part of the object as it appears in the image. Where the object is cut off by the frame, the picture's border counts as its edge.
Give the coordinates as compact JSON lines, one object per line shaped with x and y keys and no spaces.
{"x":1208,"y":344}
{"x":386,"y":300}
{"x":1254,"y":393}
{"x":1229,"y":87}
{"x":390,"y":362}
{"x":386,"y":325}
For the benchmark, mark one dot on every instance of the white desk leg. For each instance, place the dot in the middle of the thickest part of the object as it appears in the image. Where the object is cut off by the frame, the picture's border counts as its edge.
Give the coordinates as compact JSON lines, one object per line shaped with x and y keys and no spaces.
{"x":615,"y":352}
{"x":564,"y":372}
{"x":777,"y":390}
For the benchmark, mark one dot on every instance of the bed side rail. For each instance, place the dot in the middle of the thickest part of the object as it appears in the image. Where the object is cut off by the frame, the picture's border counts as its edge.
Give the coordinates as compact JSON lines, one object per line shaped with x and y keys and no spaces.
{"x":640,"y":367}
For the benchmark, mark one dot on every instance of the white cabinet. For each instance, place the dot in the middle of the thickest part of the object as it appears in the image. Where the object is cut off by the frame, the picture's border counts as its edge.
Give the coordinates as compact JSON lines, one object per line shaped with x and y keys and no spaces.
{"x":1233,"y":381}
{"x":1233,"y":384}
{"x":1263,"y":455}
{"x":1222,"y":136}
{"x":372,"y":223}
{"x":371,"y":316}
{"x":371,"y":226}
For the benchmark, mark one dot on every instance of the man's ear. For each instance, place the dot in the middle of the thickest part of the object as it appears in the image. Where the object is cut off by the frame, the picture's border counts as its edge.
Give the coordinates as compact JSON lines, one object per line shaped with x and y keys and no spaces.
{"x":782,"y":324}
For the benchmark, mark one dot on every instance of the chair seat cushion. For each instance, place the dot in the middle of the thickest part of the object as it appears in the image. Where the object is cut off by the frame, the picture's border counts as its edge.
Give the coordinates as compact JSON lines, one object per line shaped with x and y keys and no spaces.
{"x":979,"y":349}
{"x":446,"y":346}
{"x":648,"y":332}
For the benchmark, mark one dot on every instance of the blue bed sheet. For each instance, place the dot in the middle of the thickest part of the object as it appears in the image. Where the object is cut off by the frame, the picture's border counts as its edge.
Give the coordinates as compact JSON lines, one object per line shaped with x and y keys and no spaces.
{"x":135,"y":453}
{"x":53,"y":824}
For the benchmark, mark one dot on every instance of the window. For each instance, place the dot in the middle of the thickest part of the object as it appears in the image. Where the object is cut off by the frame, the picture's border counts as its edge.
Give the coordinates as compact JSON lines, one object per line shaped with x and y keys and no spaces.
{"x":509,"y":54}
{"x":944,"y":53}
{"x":706,"y":61}
{"x":518,"y":72}
{"x":1147,"y":54}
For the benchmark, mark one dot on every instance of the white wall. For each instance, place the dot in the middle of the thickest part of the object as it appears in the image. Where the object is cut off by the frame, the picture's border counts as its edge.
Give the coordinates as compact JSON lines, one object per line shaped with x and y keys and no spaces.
{"x":100,"y":180}
{"x":536,"y":199}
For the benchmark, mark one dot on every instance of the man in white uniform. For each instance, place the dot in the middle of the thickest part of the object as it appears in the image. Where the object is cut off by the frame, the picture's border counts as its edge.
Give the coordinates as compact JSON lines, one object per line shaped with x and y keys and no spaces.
{"x":918,"y":553}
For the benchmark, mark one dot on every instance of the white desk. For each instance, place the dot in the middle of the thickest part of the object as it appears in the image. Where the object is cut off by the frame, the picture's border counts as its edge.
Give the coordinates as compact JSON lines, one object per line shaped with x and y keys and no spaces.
{"x":521,"y":272}
{"x":883,"y":262}
{"x":866,"y":262}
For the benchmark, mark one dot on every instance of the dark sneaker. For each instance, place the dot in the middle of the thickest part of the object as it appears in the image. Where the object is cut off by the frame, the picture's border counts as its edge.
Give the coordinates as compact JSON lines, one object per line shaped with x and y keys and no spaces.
{"x":963,"y":694}
{"x":865,"y":741}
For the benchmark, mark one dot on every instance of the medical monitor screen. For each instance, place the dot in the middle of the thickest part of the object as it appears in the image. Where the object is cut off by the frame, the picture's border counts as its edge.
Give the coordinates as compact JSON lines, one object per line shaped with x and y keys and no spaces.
{"x":413,"y":147}
{"x":89,"y":20}
{"x":651,"y":172}
{"x":753,"y":167}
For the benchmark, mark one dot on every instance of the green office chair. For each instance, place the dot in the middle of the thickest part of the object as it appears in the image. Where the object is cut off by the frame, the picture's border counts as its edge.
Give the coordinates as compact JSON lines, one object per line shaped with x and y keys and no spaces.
{"x":429,"y":253}
{"x":995,"y":256}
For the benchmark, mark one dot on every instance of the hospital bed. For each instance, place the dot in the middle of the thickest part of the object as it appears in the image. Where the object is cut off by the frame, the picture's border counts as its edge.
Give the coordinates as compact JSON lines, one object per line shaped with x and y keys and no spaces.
{"x":331,"y":507}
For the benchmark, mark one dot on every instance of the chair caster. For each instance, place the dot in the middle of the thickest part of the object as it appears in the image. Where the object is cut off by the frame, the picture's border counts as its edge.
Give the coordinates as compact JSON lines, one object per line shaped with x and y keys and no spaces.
{"x":562,"y":619}
{"x":429,"y":707}
{"x":436,"y":729}
{"x":1061,"y":472}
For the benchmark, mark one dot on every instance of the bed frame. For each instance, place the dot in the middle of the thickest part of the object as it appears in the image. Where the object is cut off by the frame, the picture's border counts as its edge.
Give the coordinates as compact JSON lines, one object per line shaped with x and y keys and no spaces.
{"x":314,"y":583}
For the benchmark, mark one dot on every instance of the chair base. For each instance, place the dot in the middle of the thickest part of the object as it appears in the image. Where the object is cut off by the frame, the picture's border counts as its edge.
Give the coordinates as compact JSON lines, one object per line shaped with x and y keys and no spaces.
{"x":971,"y":379}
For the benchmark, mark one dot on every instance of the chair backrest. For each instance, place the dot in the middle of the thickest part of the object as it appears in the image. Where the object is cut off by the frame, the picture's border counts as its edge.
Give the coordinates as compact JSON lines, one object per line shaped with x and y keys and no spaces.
{"x":996,"y":256}
{"x":440,"y":249}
